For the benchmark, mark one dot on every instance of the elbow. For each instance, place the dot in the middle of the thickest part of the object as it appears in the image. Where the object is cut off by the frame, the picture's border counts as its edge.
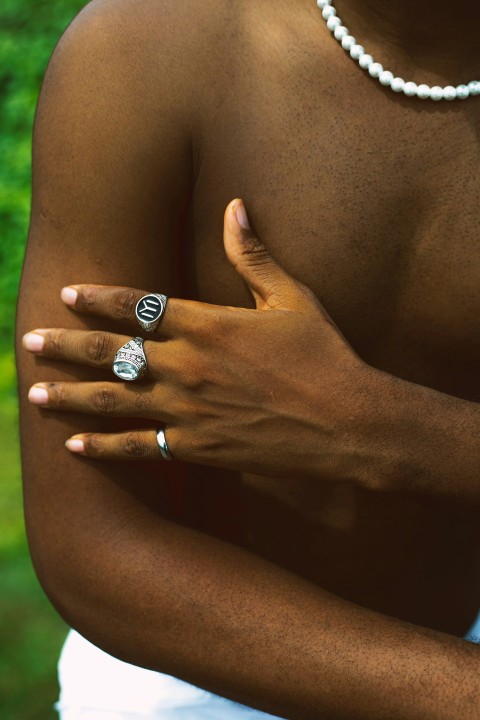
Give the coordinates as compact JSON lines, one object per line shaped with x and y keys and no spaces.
{"x":56,"y":573}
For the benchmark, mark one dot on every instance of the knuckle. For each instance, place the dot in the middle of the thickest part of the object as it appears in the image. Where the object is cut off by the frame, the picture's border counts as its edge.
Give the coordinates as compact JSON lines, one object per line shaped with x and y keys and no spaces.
{"x":56,"y":393}
{"x":134,"y":445}
{"x":125,"y":303}
{"x":205,"y":446}
{"x":305,"y":292}
{"x":104,"y":401}
{"x":94,"y":445}
{"x":252,"y":245}
{"x":193,"y":378}
{"x":89,"y":297}
{"x":142,"y":399}
{"x":256,"y":256}
{"x":56,"y":342}
{"x":304,"y":298}
{"x":97,"y":347}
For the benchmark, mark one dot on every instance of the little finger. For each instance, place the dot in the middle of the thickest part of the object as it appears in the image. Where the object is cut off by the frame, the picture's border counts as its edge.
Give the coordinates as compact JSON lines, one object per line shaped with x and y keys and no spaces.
{"x":130,"y":445}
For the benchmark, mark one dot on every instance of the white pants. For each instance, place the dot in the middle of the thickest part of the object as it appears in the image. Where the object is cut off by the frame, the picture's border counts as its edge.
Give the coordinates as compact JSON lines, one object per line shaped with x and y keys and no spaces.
{"x":96,"y":686}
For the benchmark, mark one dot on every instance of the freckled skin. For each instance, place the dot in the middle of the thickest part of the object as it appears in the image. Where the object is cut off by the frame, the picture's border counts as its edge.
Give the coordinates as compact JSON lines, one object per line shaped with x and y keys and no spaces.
{"x":153,"y":116}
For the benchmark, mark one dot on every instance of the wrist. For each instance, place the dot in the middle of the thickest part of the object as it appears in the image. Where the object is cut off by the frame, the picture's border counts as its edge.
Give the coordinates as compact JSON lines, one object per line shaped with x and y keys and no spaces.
{"x":434,"y":447}
{"x":420,"y":441}
{"x":360,"y":425}
{"x":389,"y":433}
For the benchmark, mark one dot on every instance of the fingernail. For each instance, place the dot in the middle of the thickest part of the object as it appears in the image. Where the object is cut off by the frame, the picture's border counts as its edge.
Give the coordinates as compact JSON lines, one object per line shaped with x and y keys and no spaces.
{"x":69,"y":295}
{"x":38,"y":395}
{"x":33,"y":342}
{"x":75,"y":445}
{"x":242,"y":216}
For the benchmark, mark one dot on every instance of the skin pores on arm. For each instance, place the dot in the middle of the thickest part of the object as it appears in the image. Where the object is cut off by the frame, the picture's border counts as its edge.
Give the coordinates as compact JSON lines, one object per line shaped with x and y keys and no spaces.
{"x":111,"y":177}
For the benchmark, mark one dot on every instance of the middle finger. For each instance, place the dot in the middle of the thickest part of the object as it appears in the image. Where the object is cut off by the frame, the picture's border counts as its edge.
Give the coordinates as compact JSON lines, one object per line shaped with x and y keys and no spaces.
{"x":90,"y":347}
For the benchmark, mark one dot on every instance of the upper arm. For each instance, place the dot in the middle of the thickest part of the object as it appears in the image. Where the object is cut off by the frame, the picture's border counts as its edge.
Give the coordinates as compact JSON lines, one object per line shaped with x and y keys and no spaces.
{"x":111,"y":155}
{"x":111,"y":176}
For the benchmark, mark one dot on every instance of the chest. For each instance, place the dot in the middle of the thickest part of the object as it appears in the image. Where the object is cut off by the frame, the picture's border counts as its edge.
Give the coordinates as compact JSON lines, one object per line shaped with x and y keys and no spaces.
{"x":375,"y":206}
{"x":373,"y":202}
{"x":370,"y":200}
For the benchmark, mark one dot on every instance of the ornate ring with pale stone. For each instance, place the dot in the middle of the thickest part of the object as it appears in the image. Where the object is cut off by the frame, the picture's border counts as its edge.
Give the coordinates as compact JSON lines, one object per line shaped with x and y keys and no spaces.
{"x":130,"y":362}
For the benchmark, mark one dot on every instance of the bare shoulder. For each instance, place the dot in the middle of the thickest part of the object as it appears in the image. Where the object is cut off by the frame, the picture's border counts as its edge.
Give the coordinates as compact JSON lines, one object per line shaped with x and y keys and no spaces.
{"x":187,"y":48}
{"x":124,"y":42}
{"x":151,"y":35}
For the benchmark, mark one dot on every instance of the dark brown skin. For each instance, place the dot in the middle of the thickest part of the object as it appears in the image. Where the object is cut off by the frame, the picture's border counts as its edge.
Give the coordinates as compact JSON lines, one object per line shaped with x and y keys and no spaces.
{"x":368,"y":199}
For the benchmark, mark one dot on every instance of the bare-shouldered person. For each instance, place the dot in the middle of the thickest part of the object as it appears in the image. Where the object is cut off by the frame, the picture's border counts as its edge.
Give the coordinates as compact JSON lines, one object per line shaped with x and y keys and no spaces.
{"x":153,"y":116}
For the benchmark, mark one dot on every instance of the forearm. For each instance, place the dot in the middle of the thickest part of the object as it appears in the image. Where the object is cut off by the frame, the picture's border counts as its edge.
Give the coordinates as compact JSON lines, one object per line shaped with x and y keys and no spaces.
{"x":423,"y":442}
{"x":167,"y":598}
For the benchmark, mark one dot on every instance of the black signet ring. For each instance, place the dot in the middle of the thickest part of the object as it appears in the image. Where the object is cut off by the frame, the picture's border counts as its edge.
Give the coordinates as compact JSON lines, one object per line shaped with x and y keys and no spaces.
{"x":149,"y":311}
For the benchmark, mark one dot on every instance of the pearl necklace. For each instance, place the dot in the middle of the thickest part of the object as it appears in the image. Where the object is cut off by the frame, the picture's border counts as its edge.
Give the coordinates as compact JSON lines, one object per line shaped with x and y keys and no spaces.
{"x":385,"y":77}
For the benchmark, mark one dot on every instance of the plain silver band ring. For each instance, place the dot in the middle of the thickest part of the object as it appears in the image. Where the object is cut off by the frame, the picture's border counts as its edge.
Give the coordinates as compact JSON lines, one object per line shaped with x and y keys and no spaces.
{"x":162,"y":444}
{"x":149,"y":311}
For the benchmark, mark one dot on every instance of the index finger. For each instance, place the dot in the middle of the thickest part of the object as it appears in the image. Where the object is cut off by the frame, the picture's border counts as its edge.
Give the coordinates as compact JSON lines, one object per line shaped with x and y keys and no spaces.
{"x":119,"y":304}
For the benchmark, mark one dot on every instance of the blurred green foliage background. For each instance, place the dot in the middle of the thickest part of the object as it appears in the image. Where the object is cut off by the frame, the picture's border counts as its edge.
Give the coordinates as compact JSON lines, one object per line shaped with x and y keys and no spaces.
{"x":31,"y":634}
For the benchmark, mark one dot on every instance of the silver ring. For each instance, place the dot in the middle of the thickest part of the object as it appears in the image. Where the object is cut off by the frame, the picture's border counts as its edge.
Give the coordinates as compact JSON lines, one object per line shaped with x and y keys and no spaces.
{"x":149,"y":311}
{"x":130,"y":362}
{"x":162,"y":444}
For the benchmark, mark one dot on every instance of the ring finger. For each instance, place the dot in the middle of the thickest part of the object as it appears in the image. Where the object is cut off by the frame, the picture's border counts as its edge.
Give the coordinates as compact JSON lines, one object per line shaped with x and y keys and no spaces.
{"x":106,"y":399}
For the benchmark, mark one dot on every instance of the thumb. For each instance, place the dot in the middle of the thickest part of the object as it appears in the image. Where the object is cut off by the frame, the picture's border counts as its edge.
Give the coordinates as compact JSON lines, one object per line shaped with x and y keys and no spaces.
{"x":271,"y":286}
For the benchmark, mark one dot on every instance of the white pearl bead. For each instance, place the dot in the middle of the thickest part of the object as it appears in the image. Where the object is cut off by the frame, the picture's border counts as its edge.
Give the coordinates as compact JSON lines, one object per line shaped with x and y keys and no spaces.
{"x":410,"y":89}
{"x":348,"y":42}
{"x":340,"y":32}
{"x":356,"y":51}
{"x":436,"y":93}
{"x":462,"y":92}
{"x":333,"y":22}
{"x":365,"y":61}
{"x":328,"y":11}
{"x":375,"y":70}
{"x":386,"y":78}
{"x":474,"y":87}
{"x":398,"y":84}
{"x":423,"y":92}
{"x":449,"y":92}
